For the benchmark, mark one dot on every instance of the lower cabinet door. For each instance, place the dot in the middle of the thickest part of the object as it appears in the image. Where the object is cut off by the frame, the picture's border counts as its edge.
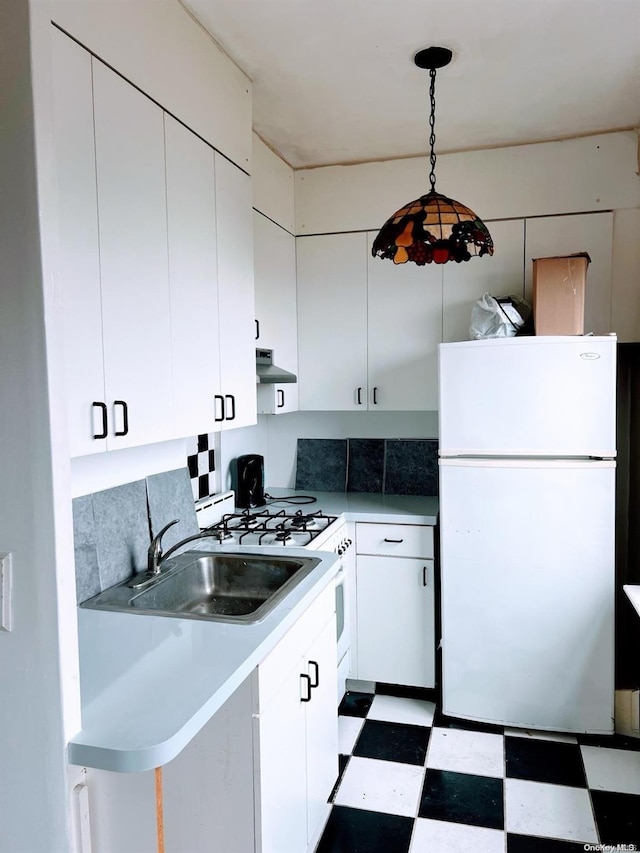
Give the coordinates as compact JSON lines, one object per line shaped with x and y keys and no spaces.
{"x":321,"y":725}
{"x":396,"y":635}
{"x":282,"y":800}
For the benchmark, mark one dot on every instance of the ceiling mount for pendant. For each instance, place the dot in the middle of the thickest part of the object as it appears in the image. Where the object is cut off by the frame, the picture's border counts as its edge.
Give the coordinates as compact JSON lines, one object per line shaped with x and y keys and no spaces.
{"x":433,"y":228}
{"x":433,"y":57}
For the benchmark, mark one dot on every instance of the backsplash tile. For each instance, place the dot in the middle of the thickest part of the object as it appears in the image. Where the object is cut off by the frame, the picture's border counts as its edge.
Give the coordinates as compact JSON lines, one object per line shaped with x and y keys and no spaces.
{"x":375,"y":465}
{"x":169,"y":496}
{"x":201,"y":463}
{"x":321,"y":464}
{"x":85,"y":549}
{"x":366,"y":465}
{"x":122,"y":531}
{"x":411,"y":467}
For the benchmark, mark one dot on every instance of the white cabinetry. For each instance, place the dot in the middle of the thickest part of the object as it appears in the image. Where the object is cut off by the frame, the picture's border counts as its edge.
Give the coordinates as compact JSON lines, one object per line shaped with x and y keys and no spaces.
{"x":237,"y":399}
{"x":156,"y":266}
{"x":501,"y":274}
{"x":79,"y":260}
{"x":566,"y":235}
{"x":367,"y":331}
{"x":404,"y":330}
{"x":395,"y":604}
{"x":296,"y":734}
{"x":193,"y":278}
{"x":332,"y":322}
{"x":132,"y":216}
{"x":276,"y":309}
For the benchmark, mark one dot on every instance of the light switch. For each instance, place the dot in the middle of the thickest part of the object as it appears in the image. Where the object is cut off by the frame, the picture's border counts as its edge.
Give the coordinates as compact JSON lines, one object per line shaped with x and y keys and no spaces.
{"x":5,"y":592}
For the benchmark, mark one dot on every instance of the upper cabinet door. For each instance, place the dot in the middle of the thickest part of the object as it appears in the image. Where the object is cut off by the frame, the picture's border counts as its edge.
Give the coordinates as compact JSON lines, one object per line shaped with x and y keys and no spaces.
{"x":404,"y":330}
{"x":565,"y":235}
{"x":193,"y":278}
{"x":236,"y":299}
{"x":132,"y":211}
{"x":276,"y":309}
{"x":79,"y":262}
{"x":332,"y":322}
{"x":502,"y":274}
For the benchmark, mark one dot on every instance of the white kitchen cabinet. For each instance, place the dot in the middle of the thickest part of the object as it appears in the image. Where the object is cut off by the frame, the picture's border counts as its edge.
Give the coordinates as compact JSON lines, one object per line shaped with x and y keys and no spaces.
{"x":332,"y":322}
{"x":565,"y":235}
{"x":501,"y":274}
{"x":296,"y":732}
{"x":193,"y":279}
{"x":367,"y":330}
{"x":132,"y":216}
{"x":78,"y":280}
{"x":403,"y":332}
{"x":274,"y":257}
{"x":236,"y":402}
{"x":395,"y":604}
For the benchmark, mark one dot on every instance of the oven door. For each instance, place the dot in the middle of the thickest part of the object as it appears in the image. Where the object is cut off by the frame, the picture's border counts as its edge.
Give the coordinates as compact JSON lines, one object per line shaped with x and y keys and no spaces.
{"x":343,"y":626}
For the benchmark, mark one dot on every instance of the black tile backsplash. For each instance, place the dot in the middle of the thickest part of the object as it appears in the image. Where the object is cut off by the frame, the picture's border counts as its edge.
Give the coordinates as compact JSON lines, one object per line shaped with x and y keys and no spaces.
{"x":366,"y":465}
{"x":390,"y":466}
{"x":321,"y":464}
{"x":411,"y":467}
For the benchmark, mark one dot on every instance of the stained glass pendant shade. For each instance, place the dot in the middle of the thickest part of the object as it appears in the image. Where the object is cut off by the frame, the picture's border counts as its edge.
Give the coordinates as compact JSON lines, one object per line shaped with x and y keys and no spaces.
{"x":433,"y":228}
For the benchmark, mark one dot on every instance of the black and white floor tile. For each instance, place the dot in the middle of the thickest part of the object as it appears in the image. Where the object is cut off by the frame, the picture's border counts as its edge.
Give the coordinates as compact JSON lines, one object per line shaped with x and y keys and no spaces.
{"x":413,"y":781}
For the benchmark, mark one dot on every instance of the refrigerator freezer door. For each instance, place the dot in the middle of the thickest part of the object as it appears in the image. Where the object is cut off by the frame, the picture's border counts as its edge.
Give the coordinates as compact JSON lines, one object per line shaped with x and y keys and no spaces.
{"x":537,"y":396}
{"x":527,"y":566}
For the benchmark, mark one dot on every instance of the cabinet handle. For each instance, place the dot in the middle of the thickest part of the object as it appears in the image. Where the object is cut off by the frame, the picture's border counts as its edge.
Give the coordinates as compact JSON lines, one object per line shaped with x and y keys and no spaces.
{"x":125,"y":417}
{"x":232,"y":416}
{"x":257,"y":329}
{"x":103,"y":409}
{"x":307,"y":679}
{"x":316,"y":674}
{"x":424,"y":575}
{"x":359,"y":396}
{"x":217,"y":397}
{"x":375,"y":396}
{"x":395,"y":541}
{"x":280,"y":398}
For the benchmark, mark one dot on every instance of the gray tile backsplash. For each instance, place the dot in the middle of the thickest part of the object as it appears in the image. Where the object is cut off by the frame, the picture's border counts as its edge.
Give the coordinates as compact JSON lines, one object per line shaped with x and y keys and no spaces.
{"x":170,"y":496}
{"x":85,"y":549}
{"x":122,"y":531}
{"x":321,"y":464}
{"x":389,"y":466}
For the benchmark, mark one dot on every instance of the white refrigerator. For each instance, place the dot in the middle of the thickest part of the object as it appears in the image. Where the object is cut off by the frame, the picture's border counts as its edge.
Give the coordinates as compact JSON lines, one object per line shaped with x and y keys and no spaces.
{"x":527,"y":514}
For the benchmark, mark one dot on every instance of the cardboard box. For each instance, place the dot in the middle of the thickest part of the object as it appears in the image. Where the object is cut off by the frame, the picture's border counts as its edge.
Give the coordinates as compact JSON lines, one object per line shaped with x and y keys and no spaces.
{"x":559,"y":286}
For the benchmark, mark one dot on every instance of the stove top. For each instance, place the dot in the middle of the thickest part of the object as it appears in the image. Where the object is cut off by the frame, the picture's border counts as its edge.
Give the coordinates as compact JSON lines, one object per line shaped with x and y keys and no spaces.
{"x":272,"y":527}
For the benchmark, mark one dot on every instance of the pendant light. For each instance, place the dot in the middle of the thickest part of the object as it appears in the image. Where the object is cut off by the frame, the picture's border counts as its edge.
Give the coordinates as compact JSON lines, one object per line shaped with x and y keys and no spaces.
{"x":433,"y":228}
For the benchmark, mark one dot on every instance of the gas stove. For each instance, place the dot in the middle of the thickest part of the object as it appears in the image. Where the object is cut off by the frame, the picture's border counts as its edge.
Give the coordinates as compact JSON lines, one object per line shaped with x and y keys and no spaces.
{"x":299,"y":529}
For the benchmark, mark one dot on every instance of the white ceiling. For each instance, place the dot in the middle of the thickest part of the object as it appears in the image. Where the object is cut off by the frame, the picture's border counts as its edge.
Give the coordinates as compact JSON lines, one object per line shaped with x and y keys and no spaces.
{"x":334,"y":80}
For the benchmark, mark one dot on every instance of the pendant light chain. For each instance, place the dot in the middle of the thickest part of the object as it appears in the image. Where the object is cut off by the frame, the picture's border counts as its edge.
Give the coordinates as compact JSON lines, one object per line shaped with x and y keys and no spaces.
{"x":432,"y":123}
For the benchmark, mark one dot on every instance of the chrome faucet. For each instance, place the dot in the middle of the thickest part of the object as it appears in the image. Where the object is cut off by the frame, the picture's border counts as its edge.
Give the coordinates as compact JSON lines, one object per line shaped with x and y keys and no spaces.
{"x":154,"y":554}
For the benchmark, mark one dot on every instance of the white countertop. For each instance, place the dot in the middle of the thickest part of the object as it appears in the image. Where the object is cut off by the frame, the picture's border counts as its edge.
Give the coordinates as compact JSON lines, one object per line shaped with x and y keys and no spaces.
{"x":633,"y":594}
{"x":150,"y":683}
{"x":360,"y":506}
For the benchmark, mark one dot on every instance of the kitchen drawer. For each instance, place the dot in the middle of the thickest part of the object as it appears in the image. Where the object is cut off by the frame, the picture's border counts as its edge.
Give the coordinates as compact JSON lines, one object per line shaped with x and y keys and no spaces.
{"x":286,"y":655}
{"x":396,"y":540}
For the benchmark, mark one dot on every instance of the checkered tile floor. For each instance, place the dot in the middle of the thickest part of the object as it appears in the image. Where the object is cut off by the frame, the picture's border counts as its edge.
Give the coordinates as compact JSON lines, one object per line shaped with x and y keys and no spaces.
{"x":413,"y":781}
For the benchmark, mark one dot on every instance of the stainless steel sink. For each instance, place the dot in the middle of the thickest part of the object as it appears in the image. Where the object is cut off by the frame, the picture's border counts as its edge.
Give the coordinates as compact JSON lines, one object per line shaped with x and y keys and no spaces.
{"x":220,"y":586}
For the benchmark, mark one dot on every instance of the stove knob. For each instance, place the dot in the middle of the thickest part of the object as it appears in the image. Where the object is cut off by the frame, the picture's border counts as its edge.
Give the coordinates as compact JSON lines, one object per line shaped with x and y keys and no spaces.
{"x":340,"y":551}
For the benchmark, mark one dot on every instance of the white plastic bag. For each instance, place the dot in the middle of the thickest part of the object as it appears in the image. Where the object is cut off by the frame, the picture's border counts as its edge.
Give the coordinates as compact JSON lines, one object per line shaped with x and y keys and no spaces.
{"x":493,"y":318}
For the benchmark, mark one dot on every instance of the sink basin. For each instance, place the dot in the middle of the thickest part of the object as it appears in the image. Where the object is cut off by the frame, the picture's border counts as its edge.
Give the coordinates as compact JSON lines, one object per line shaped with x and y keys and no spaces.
{"x":226,"y":587}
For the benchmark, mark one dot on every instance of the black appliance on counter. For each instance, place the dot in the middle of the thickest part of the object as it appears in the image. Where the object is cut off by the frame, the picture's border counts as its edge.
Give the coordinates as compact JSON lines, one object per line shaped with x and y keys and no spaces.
{"x":250,"y":481}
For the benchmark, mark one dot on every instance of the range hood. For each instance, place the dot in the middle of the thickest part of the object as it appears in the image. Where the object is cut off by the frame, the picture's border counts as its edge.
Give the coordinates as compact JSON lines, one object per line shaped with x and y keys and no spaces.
{"x":267,"y":372}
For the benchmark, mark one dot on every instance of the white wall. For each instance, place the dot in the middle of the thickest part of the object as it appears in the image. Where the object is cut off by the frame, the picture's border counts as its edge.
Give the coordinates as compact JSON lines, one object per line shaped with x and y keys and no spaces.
{"x":273,"y":186}
{"x":160,"y":48}
{"x":38,"y":658}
